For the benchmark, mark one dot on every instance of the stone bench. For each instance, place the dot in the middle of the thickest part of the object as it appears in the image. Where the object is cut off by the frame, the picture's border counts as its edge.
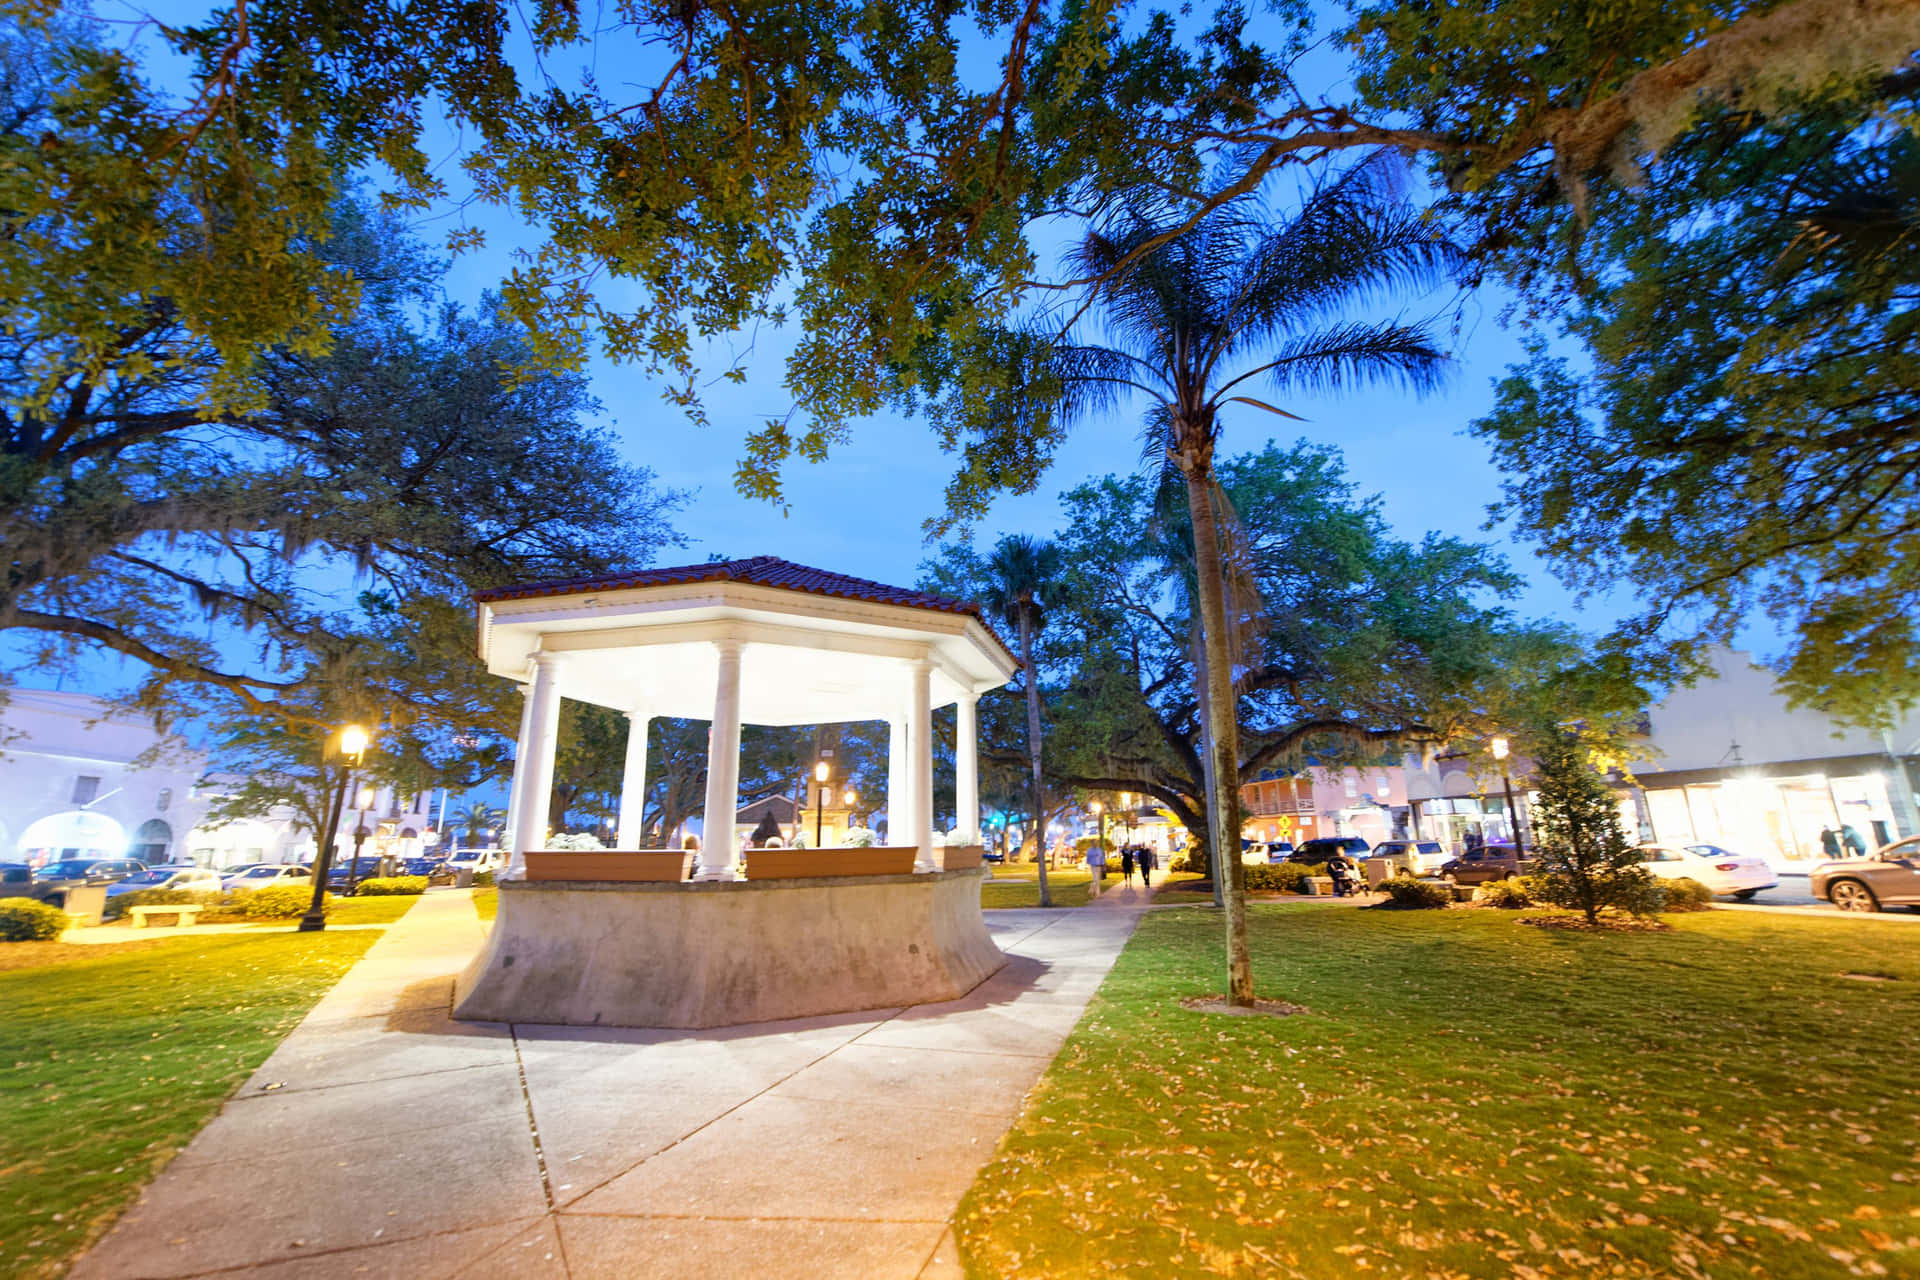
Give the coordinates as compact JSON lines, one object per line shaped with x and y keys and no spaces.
{"x":186,"y":913}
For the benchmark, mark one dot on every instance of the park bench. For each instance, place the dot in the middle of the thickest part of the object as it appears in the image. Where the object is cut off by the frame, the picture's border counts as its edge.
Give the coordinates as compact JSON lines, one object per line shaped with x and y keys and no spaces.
{"x":186,"y":912}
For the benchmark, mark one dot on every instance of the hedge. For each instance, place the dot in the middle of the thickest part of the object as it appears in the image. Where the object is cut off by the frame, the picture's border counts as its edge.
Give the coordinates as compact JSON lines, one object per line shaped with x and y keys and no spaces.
{"x":391,"y":886}
{"x":30,"y":920}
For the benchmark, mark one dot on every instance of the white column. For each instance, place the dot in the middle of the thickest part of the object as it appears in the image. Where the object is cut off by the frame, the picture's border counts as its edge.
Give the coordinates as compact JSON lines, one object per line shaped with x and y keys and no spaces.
{"x":899,"y":812}
{"x":719,"y":858}
{"x":920,"y":749}
{"x":966,"y":766}
{"x":533,"y":762}
{"x":633,"y":784}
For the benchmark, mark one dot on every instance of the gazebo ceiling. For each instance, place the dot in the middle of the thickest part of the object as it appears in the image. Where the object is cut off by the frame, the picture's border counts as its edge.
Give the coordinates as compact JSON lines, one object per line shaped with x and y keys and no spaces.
{"x":817,"y":647}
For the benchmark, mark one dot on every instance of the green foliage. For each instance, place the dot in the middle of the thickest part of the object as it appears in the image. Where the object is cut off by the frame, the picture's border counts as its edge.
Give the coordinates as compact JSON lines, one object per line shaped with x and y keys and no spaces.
{"x":204,"y":898}
{"x":280,"y":902}
{"x":1510,"y":894}
{"x":391,"y":886}
{"x":1584,"y":857}
{"x":483,"y":879}
{"x":1277,"y":877}
{"x":1683,"y":893}
{"x":30,"y":920}
{"x":1406,"y":891}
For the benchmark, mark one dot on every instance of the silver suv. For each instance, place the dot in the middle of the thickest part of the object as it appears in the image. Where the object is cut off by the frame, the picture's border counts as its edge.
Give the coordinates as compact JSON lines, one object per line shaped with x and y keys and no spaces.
{"x":1414,"y":857}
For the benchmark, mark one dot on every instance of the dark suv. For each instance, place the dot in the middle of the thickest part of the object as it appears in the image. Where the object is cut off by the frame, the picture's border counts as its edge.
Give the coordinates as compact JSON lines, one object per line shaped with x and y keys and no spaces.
{"x":1488,"y":862}
{"x":1326,"y":846}
{"x":54,"y":879}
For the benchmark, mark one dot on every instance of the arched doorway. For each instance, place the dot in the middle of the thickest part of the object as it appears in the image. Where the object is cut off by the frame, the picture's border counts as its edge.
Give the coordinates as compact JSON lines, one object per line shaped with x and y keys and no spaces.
{"x":152,"y":841}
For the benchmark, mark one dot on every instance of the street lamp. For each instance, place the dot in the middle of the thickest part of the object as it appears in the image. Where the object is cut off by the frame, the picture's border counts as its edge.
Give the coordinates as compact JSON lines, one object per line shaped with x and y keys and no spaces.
{"x":1500,"y":750}
{"x":1100,"y":812}
{"x":1126,"y":802}
{"x":363,"y":802}
{"x":821,"y":772}
{"x":353,"y":745}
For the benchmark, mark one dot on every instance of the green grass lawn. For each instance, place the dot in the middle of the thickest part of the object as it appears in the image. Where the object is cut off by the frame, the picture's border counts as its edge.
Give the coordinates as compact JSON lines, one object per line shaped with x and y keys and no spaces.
{"x":112,"y":1057}
{"x":1469,"y":1096}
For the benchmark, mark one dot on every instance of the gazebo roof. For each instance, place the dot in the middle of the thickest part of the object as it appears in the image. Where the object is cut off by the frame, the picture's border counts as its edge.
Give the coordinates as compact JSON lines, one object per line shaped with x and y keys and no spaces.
{"x":763,"y":571}
{"x":819,"y":647}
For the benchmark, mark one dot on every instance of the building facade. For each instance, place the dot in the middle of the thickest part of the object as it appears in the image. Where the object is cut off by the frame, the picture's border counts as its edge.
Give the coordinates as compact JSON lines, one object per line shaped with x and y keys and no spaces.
{"x":85,"y":780}
{"x":1732,"y":764}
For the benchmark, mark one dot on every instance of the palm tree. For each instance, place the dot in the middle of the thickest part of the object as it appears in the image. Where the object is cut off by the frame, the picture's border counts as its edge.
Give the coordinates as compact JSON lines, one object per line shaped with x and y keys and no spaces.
{"x":1190,"y":320}
{"x":1022,"y":574}
{"x":476,"y":818}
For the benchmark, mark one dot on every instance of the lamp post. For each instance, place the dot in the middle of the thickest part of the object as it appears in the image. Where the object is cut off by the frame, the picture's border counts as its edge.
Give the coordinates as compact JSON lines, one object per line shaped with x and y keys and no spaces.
{"x":360,"y":834}
{"x":821,"y":772}
{"x":850,"y":797}
{"x":1100,"y":812}
{"x":1500,"y":749}
{"x":1126,"y":802}
{"x":353,"y":744}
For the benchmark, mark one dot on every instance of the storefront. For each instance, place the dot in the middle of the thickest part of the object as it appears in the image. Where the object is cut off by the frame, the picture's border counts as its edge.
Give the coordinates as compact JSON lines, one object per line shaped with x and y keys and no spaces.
{"x":1777,"y":811}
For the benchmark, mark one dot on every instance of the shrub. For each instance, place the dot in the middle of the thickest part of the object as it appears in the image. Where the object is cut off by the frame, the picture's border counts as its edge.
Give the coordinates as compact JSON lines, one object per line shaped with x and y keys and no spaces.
{"x":29,"y":920}
{"x":1181,"y":863}
{"x":859,"y":838}
{"x":277,"y":902}
{"x":1282,"y":877}
{"x":391,"y":886}
{"x":572,"y":841}
{"x":1685,"y":894}
{"x":483,"y":879}
{"x":117,"y":907}
{"x":1405,"y":891}
{"x":1509,"y":894}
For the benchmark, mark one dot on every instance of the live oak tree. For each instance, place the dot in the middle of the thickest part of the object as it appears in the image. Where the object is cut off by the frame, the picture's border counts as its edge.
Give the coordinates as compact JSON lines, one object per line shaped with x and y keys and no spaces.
{"x":1367,"y":644}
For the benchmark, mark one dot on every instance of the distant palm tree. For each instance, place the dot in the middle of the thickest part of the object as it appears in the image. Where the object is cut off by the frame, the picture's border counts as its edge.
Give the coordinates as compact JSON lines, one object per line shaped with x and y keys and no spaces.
{"x":1022,"y":574}
{"x":1190,"y":320}
{"x":476,"y":819}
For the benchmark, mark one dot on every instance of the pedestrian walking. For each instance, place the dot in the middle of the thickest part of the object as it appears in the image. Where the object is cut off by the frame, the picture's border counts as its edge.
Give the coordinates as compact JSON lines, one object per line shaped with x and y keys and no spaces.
{"x":1126,"y":865}
{"x":1097,"y":864}
{"x":1148,"y":860}
{"x":1829,"y":843}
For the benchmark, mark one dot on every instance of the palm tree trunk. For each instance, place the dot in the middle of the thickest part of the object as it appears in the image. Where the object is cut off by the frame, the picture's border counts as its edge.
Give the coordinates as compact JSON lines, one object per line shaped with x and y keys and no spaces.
{"x":1224,"y":799}
{"x":1038,"y":792}
{"x":1198,"y":644}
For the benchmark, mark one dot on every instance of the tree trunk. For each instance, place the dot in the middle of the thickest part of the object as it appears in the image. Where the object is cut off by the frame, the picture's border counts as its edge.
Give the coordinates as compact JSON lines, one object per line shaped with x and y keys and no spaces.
{"x":1224,"y":785}
{"x":1214,"y":845}
{"x":1038,"y":796}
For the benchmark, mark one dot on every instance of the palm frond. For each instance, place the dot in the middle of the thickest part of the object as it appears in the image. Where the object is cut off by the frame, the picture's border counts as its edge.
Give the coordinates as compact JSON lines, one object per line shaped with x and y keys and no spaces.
{"x":1351,"y":355}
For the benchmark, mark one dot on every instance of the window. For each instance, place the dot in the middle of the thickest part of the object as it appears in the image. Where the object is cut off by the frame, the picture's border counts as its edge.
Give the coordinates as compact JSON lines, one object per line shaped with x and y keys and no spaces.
{"x":85,"y":789}
{"x":1353,"y":784}
{"x":165,"y":798}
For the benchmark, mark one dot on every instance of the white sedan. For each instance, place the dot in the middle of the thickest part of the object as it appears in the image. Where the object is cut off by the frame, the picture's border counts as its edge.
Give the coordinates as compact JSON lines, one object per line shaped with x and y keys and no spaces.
{"x":263,"y":874}
{"x":1739,"y":874}
{"x":169,"y":876}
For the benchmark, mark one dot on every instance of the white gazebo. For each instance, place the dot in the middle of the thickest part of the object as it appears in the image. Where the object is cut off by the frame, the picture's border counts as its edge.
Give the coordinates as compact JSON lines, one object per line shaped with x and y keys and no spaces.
{"x":759,"y":641}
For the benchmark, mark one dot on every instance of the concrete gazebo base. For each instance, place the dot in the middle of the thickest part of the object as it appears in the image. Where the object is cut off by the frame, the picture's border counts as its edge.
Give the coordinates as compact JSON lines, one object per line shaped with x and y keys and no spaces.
{"x":716,"y":953}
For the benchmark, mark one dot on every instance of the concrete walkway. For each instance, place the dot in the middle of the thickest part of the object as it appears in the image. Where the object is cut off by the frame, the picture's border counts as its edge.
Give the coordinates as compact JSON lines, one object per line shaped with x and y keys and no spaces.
{"x":382,"y":1139}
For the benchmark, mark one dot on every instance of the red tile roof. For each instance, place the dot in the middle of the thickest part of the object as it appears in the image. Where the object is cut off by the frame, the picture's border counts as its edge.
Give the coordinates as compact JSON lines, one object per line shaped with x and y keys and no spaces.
{"x":762,"y":571}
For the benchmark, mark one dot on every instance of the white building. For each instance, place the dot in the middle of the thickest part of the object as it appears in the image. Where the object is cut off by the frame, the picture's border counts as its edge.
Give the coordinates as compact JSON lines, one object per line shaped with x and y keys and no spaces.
{"x":1734,"y":765}
{"x":81,"y":779}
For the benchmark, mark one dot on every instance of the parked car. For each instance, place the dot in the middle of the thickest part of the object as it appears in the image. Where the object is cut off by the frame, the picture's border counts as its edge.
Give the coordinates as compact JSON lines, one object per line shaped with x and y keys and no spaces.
{"x":1324,"y":847}
{"x":365,"y":867}
{"x":53,"y":881}
{"x":1888,"y":877}
{"x":1279,"y":850}
{"x":1411,"y":857}
{"x":1488,"y":862}
{"x":262,"y":875}
{"x":168,"y":877}
{"x":16,"y":879}
{"x":477,"y":860}
{"x":1741,"y":875}
{"x":1258,"y":853}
